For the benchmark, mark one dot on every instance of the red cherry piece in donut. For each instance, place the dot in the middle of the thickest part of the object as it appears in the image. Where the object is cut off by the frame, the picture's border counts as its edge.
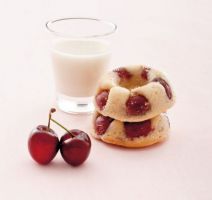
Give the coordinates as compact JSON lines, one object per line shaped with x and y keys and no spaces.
{"x":137,"y":105}
{"x":137,"y":129}
{"x":75,"y":147}
{"x":101,"y":99}
{"x":102,"y":123}
{"x":165,"y":85}
{"x":123,"y":73}
{"x":144,"y":73}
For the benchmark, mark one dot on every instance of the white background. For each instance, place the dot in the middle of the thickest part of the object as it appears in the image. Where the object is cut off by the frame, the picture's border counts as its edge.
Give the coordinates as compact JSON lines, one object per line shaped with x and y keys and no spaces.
{"x":172,"y":35}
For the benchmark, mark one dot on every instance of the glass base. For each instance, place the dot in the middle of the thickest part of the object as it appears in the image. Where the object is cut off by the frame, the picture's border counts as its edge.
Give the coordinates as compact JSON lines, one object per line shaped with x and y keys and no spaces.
{"x":75,"y":105}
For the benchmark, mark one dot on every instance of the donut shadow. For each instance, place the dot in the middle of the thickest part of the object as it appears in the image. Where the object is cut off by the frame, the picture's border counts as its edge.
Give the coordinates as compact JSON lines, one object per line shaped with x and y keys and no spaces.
{"x":62,"y":165}
{"x":132,"y":149}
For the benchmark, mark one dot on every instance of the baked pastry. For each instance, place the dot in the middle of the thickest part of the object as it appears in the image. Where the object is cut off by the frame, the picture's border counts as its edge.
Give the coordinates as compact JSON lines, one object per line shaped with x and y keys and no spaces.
{"x":130,"y":134}
{"x":133,"y":94}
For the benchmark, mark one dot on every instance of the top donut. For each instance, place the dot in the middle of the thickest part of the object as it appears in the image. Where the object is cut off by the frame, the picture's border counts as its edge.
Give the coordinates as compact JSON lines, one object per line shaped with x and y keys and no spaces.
{"x":133,"y":94}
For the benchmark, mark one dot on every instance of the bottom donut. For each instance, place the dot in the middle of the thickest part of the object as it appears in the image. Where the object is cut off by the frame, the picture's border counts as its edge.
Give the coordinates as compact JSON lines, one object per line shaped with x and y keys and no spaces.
{"x":131,"y":134}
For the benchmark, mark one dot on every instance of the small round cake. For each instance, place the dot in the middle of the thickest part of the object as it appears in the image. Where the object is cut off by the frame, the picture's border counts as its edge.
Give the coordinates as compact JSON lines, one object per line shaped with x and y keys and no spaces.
{"x":133,"y":94}
{"x":130,"y":134}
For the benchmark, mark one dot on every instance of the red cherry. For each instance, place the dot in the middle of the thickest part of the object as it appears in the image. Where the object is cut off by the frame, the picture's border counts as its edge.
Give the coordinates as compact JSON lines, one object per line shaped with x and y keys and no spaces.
{"x":75,"y":147}
{"x":165,"y":85}
{"x":144,"y":73}
{"x":102,"y":123}
{"x":43,"y":144}
{"x":137,"y":105}
{"x":123,"y":73}
{"x":101,"y":99}
{"x":137,"y":129}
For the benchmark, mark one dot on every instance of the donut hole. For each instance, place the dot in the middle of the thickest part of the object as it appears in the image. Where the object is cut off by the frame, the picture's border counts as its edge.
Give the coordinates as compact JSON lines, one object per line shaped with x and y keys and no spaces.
{"x":134,"y":82}
{"x":131,"y":80}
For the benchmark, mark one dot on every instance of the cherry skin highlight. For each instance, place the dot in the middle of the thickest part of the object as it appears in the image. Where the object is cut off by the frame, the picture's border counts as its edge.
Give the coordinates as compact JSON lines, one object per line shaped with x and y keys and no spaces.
{"x":43,"y":144}
{"x":137,"y":129}
{"x":101,"y":124}
{"x":137,"y":105}
{"x":75,"y":147}
{"x":101,"y":99}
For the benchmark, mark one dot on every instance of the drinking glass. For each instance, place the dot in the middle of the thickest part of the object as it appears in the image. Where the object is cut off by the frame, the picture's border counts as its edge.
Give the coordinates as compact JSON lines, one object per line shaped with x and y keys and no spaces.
{"x":80,"y":53}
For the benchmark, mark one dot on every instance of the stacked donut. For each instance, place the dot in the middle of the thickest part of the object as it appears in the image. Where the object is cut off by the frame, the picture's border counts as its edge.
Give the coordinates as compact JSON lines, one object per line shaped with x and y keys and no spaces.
{"x":130,"y":104}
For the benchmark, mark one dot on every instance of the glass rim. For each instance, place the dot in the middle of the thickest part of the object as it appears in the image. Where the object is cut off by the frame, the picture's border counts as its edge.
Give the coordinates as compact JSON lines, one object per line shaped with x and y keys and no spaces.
{"x":61,"y":34}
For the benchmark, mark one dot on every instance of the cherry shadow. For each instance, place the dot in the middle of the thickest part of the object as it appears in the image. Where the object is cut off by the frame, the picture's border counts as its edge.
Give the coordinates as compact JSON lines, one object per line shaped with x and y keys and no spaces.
{"x":60,"y":165}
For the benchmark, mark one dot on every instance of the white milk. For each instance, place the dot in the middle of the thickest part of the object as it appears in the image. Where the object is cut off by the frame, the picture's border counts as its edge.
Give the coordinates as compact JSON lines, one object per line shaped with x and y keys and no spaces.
{"x":78,"y":65}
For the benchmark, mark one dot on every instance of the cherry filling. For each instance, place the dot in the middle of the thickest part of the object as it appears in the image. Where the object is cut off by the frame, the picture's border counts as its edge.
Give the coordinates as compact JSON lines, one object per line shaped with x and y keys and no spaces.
{"x":165,"y":85}
{"x":123,"y":73}
{"x":137,"y":105}
{"x":102,"y":123}
{"x":144,"y":73}
{"x":137,"y":129}
{"x":101,"y":99}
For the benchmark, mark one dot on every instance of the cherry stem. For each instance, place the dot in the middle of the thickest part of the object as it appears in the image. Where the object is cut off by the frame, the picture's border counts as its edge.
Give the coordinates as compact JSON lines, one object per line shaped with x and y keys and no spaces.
{"x":53,"y":120}
{"x":52,"y":110}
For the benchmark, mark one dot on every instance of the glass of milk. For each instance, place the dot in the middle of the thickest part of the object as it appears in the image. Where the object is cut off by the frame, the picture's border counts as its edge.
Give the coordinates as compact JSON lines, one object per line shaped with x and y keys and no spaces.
{"x":80,"y":54}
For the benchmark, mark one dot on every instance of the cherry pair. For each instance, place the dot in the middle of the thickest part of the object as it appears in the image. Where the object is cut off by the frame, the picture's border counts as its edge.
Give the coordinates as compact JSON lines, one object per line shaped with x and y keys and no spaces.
{"x":43,"y":144}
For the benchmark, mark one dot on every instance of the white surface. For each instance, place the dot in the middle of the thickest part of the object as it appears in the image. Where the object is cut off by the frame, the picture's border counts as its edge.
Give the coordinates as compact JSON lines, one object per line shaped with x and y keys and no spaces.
{"x":174,"y":36}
